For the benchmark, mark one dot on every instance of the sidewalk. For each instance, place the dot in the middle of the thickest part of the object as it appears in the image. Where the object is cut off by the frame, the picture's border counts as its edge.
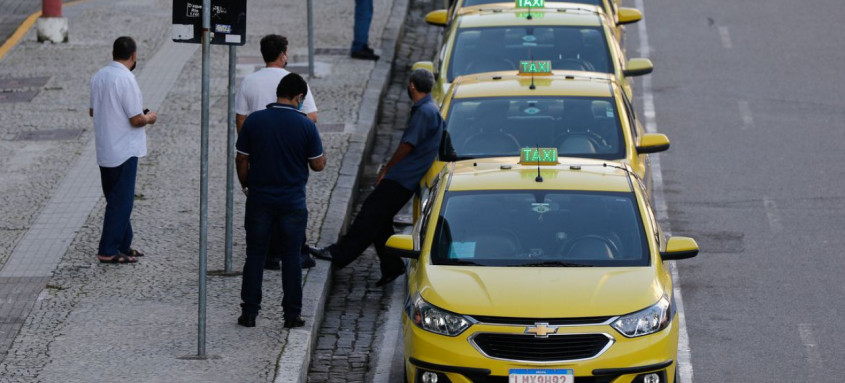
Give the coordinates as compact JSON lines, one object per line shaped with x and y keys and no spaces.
{"x":66,"y":318}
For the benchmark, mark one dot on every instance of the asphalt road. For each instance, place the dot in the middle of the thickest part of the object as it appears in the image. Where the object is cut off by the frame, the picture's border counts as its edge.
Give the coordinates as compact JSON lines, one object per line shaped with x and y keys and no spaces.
{"x":751,"y":95}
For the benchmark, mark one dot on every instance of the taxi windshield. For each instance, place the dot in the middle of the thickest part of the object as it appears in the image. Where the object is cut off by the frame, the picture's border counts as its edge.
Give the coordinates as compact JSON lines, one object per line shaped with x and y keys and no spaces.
{"x":469,"y":3}
{"x":586,"y":127}
{"x":540,"y":228}
{"x":478,"y":50}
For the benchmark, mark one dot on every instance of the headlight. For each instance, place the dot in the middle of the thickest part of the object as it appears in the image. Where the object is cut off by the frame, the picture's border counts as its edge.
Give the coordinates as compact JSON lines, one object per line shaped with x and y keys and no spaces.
{"x":644,"y":322}
{"x":434,"y":319}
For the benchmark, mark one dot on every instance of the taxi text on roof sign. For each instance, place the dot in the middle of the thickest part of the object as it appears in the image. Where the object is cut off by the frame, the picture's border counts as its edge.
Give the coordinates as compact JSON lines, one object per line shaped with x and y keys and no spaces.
{"x":530,"y":3}
{"x":538,"y":156}
{"x":542,"y":67}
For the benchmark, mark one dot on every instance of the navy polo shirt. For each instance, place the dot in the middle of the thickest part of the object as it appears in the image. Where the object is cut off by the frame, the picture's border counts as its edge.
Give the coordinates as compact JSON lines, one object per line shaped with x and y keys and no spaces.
{"x":279,"y":141}
{"x":423,"y":132}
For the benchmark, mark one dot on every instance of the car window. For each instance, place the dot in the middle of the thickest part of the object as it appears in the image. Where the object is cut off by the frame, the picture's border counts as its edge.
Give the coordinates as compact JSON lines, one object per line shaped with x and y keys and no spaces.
{"x":540,"y":228}
{"x":469,"y":3}
{"x":478,"y":50}
{"x":501,"y":126}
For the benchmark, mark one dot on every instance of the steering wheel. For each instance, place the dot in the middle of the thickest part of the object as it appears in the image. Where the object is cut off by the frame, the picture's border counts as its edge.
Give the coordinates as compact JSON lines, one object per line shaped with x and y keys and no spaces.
{"x":481,"y":65}
{"x":571,"y":63}
{"x":595,"y":239}
{"x":596,"y":140}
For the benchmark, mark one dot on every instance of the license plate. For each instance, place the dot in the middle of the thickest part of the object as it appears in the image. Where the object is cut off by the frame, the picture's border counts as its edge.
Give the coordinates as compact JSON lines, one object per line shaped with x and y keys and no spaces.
{"x":541,"y":376}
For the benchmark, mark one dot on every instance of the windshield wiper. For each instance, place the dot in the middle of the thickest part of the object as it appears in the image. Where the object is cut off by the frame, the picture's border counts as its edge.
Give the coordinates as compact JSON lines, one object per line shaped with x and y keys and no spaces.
{"x":552,"y":264}
{"x":460,"y":262}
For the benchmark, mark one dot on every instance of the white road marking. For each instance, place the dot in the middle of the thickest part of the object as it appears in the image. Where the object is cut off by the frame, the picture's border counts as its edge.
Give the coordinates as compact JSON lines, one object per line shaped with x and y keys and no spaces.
{"x":726,"y":37}
{"x":814,"y":357}
{"x":745,"y":114}
{"x":684,"y":353}
{"x":773,"y":214}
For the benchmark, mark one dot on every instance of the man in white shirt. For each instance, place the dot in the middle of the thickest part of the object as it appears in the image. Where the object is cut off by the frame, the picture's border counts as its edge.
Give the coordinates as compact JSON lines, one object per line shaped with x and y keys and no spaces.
{"x":119,"y":118}
{"x":256,"y":92}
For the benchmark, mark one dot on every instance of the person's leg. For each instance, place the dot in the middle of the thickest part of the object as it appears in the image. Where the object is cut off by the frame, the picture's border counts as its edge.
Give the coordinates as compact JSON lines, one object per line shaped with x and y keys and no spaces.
{"x":127,"y":186}
{"x":258,"y":224}
{"x":275,"y":250}
{"x":119,"y":198}
{"x":293,"y":225}
{"x":389,"y":265}
{"x":376,"y":212}
{"x":361,"y":30}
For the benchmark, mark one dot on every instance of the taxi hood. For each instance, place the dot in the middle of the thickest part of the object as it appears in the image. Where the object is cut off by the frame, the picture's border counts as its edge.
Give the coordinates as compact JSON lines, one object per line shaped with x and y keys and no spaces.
{"x":541,"y":292}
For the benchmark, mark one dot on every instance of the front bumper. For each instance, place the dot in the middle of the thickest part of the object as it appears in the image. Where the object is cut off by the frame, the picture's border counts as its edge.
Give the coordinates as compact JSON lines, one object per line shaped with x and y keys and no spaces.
{"x":457,"y":359}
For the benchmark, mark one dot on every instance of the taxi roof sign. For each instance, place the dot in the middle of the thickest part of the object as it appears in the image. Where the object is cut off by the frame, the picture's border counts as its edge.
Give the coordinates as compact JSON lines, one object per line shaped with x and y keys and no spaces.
{"x":538,"y":156}
{"x":535,"y":67}
{"x":530,"y":3}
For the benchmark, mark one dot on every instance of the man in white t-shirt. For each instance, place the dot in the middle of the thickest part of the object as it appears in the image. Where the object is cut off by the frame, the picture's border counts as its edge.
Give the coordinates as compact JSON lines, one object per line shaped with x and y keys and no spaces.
{"x":256,"y":92}
{"x":119,"y":119}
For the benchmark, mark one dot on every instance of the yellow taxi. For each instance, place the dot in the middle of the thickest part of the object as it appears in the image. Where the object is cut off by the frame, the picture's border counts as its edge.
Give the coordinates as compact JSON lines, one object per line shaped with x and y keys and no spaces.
{"x":539,"y":269}
{"x":494,"y":40}
{"x":582,"y":114}
{"x":620,"y":15}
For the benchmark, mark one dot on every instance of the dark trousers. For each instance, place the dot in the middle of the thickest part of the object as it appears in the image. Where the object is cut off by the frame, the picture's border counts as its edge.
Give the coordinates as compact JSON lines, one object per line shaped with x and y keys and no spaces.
{"x":276,"y":249}
{"x":258,"y":222}
{"x":373,"y":225}
{"x":361,"y":29}
{"x":119,"y":190}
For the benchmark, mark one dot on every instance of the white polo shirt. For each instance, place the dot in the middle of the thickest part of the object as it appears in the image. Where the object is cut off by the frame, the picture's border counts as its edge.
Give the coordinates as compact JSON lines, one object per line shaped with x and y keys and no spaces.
{"x":259,"y":90}
{"x":115,"y":98}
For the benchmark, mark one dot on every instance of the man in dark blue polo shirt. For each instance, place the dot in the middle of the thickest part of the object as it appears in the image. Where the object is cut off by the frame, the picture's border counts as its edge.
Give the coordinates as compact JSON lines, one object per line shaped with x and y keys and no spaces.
{"x":276,"y":147}
{"x":396,"y":184}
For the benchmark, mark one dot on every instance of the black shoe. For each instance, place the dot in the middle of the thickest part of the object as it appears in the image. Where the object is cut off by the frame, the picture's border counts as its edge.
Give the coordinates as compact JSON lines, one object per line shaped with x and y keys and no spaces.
{"x":368,"y":49}
{"x":387,"y":278}
{"x":246,"y":320}
{"x":364,"y":54}
{"x":308,"y":261}
{"x":272,"y":265}
{"x":321,"y":253}
{"x":295,"y":322}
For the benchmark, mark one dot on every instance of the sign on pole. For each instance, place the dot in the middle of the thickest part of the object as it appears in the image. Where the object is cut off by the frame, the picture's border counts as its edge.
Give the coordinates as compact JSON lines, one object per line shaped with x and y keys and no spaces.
{"x":228,"y":22}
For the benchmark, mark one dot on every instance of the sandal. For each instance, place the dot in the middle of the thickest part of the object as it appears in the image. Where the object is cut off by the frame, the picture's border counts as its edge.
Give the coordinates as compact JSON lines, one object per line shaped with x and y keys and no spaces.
{"x":135,"y":253}
{"x":119,"y":259}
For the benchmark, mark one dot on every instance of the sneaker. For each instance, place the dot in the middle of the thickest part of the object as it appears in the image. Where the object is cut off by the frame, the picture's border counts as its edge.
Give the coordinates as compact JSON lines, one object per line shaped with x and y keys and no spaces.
{"x":246,"y":320}
{"x":321,"y":252}
{"x":295,"y":322}
{"x":308,"y":261}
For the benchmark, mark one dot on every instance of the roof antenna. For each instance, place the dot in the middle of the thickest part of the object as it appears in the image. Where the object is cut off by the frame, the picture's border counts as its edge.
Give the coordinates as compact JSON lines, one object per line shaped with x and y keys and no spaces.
{"x":539,"y":177}
{"x":529,"y":17}
{"x":532,"y":87}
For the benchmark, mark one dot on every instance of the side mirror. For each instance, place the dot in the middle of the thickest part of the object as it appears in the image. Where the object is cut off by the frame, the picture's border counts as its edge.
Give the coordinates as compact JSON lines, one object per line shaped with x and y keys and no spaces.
{"x":652,"y":143}
{"x":402,"y":245}
{"x":428,"y":65}
{"x":438,"y":17}
{"x":679,"y":248}
{"x":638,"y":67}
{"x":628,"y":16}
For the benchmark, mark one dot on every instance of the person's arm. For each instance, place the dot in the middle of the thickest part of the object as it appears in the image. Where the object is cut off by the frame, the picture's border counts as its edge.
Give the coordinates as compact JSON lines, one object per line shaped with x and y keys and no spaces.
{"x":312,"y":116}
{"x":91,"y":112}
{"x":141,"y":120}
{"x":242,"y":165}
{"x":317,"y":164}
{"x":239,"y":121}
{"x":402,"y":151}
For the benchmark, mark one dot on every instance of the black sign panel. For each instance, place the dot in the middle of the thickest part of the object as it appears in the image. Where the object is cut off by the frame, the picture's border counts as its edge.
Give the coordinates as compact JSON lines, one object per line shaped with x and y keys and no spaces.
{"x":228,"y":22}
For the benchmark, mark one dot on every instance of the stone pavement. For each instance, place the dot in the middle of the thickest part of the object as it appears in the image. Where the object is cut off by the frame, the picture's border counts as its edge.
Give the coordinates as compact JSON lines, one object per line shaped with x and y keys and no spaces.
{"x":63,"y":316}
{"x":348,"y":342}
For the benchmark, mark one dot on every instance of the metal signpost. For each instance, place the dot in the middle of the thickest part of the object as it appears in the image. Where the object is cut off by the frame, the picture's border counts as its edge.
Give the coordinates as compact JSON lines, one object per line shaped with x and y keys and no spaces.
{"x":211,"y":22}
{"x":310,"y":40}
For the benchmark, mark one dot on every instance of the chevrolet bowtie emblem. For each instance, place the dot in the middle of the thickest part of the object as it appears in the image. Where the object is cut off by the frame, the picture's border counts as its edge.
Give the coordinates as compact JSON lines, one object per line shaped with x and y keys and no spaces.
{"x":541,"y":330}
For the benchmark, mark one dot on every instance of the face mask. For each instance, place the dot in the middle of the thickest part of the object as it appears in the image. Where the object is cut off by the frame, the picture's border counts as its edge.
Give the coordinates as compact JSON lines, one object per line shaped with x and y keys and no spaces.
{"x":301,"y":101}
{"x":134,"y":64}
{"x":409,"y":93}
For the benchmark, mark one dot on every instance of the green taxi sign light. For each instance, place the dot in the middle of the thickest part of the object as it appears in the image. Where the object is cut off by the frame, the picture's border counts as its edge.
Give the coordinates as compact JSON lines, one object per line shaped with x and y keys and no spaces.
{"x":542,"y":67}
{"x":530,"y":3}
{"x":538,"y":156}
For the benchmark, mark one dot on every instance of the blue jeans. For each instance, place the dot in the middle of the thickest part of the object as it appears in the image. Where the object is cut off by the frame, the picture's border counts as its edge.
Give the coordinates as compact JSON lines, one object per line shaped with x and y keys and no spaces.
{"x":119,"y":189}
{"x":363,"y":18}
{"x":259,"y":220}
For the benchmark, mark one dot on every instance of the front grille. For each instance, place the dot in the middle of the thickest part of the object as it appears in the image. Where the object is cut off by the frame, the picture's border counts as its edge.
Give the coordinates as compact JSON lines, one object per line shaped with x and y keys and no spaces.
{"x":533,"y":321}
{"x":531,"y":348}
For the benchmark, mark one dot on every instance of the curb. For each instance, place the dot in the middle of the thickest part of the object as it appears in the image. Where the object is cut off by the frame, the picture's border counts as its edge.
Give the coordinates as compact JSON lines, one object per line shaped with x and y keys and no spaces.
{"x":295,"y":359}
